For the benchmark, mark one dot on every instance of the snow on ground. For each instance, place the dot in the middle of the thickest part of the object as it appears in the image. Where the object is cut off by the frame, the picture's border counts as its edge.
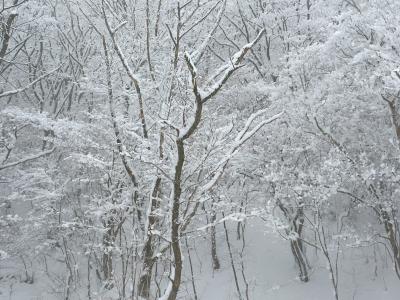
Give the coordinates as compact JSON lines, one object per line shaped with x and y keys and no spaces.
{"x":271,"y":273}
{"x":269,"y":269}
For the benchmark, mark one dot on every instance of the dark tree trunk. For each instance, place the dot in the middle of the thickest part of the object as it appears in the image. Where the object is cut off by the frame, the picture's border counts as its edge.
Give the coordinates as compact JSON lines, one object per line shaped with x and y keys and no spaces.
{"x":148,"y":250}
{"x":214,"y":255}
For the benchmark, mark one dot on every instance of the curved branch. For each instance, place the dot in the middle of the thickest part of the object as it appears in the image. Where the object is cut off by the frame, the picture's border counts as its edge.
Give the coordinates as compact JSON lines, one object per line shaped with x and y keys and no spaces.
{"x":24,"y":160}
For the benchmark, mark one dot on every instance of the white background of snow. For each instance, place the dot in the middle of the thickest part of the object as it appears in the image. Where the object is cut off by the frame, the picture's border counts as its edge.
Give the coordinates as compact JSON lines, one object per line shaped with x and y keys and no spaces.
{"x":269,"y":268}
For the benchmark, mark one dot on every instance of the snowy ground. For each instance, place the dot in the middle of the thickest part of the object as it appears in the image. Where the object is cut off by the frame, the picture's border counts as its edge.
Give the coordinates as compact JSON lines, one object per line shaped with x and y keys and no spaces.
{"x":269,"y":269}
{"x":271,"y":275}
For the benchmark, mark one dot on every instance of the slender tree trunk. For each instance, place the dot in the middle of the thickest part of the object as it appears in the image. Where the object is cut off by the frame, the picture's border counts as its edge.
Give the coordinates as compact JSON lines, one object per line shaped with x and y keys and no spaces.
{"x":107,"y":255}
{"x":175,"y":242}
{"x":390,"y":227}
{"x":214,"y":255}
{"x":232,"y":261}
{"x":148,"y":250}
{"x":296,"y":247}
{"x":191,"y":270}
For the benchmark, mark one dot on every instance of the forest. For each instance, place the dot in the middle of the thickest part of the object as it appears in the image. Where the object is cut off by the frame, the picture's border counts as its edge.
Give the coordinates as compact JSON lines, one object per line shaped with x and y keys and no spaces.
{"x":199,"y":149}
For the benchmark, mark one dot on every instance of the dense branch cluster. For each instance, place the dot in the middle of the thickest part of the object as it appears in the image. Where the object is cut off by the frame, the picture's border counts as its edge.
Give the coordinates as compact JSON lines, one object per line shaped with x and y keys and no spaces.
{"x":137,"y":136}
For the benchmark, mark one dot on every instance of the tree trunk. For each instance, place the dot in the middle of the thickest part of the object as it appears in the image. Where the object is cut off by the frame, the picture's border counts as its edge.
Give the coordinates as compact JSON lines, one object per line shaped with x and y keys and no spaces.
{"x":175,"y":243}
{"x":214,"y":255}
{"x":297,"y":250}
{"x":148,"y":250}
{"x":107,"y":255}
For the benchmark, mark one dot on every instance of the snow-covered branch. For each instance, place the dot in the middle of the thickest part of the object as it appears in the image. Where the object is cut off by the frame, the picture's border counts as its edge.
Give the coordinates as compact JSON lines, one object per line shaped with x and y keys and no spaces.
{"x":232,"y":66}
{"x":26,"y":159}
{"x":198,"y":54}
{"x":17,"y":91}
{"x":244,"y":135}
{"x":128,"y":70}
{"x":196,"y":117}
